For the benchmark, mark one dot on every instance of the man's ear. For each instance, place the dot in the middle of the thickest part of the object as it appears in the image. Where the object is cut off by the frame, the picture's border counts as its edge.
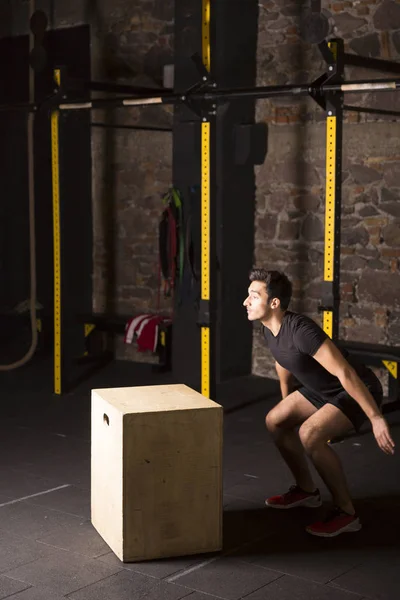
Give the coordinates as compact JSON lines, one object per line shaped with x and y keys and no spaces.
{"x":275,"y":303}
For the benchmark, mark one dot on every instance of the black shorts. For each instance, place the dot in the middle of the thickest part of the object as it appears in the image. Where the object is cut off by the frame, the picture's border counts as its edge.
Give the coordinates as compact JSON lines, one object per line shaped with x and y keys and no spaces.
{"x":345,"y":402}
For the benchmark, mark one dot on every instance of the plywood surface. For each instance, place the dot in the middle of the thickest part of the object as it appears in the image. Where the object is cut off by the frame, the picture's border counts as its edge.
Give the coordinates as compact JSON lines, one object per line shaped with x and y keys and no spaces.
{"x":154,"y":398}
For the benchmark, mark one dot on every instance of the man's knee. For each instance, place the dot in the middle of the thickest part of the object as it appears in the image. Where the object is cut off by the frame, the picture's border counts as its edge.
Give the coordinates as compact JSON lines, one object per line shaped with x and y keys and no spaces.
{"x":277,"y":420}
{"x":289,"y":413}
{"x":272,"y":420}
{"x":309,"y":437}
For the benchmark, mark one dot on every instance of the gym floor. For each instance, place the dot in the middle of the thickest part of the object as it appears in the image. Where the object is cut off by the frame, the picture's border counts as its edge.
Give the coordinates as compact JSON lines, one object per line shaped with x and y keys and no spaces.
{"x":49,"y":549}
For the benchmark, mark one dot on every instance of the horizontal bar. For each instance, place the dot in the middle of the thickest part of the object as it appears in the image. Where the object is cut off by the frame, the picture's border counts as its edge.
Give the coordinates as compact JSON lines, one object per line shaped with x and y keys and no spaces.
{"x":377,"y":111}
{"x":303,"y":89}
{"x":368,"y":87}
{"x":135,"y":127}
{"x":142,"y":101}
{"x":378,"y":64}
{"x":215,"y":95}
{"x":115,"y":102}
{"x":257,"y":92}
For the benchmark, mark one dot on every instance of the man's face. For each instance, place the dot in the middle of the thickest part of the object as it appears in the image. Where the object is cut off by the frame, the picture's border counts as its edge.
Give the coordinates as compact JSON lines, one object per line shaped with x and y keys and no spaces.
{"x":257,"y":303}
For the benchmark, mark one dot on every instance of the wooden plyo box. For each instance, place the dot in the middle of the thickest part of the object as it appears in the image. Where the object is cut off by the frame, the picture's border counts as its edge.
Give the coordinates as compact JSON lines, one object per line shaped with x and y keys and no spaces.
{"x":156,"y":471}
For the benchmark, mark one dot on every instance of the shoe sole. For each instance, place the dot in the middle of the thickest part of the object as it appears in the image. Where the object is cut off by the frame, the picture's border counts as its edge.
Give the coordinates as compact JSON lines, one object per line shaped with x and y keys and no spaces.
{"x":350,"y":528}
{"x":309,"y":503}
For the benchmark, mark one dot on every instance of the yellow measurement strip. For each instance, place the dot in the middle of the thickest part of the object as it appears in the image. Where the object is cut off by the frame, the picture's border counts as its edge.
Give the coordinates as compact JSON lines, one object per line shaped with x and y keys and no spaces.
{"x":56,"y":243}
{"x":330,"y":198}
{"x":205,"y":253}
{"x":330,"y":214}
{"x":330,"y":192}
{"x":327,"y":325}
{"x":206,"y":34}
{"x":205,"y":210}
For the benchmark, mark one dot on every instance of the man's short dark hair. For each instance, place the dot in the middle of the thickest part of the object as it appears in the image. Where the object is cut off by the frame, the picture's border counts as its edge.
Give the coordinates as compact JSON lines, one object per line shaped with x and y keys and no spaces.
{"x":277,"y":284}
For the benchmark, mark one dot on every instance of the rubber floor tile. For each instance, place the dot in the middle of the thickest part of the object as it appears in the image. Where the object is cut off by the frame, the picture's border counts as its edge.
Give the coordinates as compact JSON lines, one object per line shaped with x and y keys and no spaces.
{"x":377,"y":578}
{"x":227,"y":578}
{"x":294,"y":588}
{"x":62,"y":572}
{"x":16,"y":550}
{"x":159,"y":568}
{"x":9,"y":587}
{"x":80,"y":538}
{"x":129,"y":586}
{"x":32,"y":521}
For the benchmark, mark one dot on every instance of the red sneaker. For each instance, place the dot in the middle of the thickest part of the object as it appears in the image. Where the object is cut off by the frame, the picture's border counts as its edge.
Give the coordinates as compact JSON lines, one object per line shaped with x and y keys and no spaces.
{"x":295,"y":497}
{"x":336,"y":522}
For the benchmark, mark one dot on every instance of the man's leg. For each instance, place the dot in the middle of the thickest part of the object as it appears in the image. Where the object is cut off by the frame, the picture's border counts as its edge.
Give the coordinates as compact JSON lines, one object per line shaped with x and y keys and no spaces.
{"x":281,"y":422}
{"x":327,"y":423}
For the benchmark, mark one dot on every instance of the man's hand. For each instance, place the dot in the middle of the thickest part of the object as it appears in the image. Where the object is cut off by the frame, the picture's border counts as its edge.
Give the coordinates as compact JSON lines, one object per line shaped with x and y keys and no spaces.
{"x":382,"y":434}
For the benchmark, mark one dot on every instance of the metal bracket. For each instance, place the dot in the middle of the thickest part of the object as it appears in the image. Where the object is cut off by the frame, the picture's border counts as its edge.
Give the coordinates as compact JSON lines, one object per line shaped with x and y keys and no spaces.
{"x":59,"y":92}
{"x":202,"y":108}
{"x":316,"y":93}
{"x":326,"y":52}
{"x":334,"y":74}
{"x":204,"y":74}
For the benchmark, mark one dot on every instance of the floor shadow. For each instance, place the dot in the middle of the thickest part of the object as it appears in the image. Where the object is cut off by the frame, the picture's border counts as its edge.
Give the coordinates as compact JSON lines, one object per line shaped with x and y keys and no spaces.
{"x":248,"y":533}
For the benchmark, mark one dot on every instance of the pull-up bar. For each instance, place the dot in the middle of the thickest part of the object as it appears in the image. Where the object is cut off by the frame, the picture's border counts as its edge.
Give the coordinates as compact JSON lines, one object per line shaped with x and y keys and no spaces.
{"x":257,"y":93}
{"x":214,"y":95}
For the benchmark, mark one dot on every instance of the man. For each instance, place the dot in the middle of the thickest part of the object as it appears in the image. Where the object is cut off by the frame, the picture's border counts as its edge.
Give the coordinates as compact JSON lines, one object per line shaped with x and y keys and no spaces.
{"x":334,"y":394}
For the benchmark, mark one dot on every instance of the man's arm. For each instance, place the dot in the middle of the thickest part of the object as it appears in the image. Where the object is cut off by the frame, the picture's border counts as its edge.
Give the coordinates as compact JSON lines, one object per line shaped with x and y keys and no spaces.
{"x":333,"y":361}
{"x":285,"y":380}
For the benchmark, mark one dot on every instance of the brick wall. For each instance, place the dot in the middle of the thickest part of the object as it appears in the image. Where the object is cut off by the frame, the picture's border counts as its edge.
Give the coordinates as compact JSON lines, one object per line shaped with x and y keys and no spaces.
{"x":131,"y":41}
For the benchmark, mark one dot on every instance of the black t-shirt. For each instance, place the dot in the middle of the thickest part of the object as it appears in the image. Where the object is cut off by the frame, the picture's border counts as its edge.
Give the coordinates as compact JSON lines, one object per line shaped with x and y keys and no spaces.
{"x":293,"y":348}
